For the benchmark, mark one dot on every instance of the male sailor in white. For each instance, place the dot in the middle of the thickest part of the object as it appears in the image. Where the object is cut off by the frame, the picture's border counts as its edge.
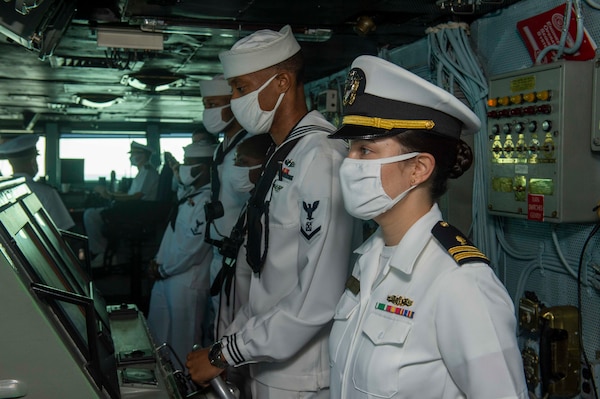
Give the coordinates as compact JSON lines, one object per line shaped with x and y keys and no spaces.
{"x":181,"y":267}
{"x":299,"y":235}
{"x":226,"y":203}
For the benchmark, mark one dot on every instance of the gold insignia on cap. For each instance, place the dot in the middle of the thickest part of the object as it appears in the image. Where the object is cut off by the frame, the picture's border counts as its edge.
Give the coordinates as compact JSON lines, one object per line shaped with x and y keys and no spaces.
{"x":399,"y":300}
{"x":388,"y":124}
{"x":351,"y":87}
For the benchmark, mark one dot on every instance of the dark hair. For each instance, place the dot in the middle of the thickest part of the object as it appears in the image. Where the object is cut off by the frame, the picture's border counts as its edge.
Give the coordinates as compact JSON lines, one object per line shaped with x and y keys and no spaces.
{"x":294,"y":64}
{"x":256,"y":146}
{"x":453,"y":157}
{"x":206,"y":137}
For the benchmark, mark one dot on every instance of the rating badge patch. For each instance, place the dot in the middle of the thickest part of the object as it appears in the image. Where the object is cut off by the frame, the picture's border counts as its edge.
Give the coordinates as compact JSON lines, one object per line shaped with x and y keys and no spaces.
{"x":312,"y":215}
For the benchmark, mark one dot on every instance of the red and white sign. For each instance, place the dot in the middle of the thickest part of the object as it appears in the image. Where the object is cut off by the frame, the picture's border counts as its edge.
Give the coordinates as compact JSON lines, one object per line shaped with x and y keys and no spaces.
{"x":535,"y":207}
{"x":545,"y":30}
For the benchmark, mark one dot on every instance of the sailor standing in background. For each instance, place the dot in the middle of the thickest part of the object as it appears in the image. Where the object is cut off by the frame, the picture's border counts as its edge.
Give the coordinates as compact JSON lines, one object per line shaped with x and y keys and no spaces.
{"x":181,"y":267}
{"x":225,"y":203}
{"x":423,"y":314}
{"x":22,"y":153}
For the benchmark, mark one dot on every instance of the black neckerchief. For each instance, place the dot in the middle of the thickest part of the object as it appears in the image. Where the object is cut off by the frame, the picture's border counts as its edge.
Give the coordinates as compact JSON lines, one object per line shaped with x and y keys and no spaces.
{"x":215,"y":183}
{"x":175,"y":209}
{"x":259,"y":206}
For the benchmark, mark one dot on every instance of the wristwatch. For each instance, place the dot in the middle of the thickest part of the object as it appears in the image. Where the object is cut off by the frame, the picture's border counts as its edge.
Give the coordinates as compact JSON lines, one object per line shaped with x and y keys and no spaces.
{"x":215,"y":355}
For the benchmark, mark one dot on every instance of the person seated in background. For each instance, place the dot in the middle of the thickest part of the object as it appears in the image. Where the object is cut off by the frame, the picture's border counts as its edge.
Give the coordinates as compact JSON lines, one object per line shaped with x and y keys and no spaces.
{"x":143,"y":187}
{"x":181,"y":266}
{"x":21,"y":152}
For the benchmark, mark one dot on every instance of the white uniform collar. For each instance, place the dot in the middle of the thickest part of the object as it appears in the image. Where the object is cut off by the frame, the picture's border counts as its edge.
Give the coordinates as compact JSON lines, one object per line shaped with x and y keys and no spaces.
{"x":412,"y":244}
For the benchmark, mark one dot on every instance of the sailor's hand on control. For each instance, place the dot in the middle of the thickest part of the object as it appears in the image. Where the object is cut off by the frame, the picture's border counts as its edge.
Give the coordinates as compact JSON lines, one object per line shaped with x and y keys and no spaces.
{"x":200,"y":368}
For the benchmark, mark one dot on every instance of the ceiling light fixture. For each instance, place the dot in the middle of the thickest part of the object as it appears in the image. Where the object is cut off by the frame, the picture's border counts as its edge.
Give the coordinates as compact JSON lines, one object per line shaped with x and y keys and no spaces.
{"x":154,"y":81}
{"x":96,"y":100}
{"x":464,"y":6}
{"x":314,"y":35}
{"x":225,"y":29}
{"x":129,"y":38}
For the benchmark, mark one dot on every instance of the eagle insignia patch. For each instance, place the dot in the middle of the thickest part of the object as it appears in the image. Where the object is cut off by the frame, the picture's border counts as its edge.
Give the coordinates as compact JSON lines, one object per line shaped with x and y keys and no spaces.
{"x":311,"y":218}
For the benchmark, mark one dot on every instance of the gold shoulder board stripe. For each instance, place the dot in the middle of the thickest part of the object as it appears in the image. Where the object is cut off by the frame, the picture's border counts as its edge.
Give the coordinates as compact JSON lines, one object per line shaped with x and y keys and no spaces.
{"x":458,"y":246}
{"x":469,"y":255}
{"x":462,"y":248}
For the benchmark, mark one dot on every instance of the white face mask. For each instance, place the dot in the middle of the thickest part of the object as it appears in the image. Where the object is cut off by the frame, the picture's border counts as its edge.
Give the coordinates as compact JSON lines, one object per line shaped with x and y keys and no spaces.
{"x":248,"y":113}
{"x":364,"y":196}
{"x":213,"y":120}
{"x":185,"y":174}
{"x":240,"y":179}
{"x":135,"y":159}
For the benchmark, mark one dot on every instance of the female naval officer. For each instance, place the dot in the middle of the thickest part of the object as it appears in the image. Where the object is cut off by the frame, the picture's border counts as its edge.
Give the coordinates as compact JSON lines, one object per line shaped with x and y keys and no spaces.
{"x":423,"y":315}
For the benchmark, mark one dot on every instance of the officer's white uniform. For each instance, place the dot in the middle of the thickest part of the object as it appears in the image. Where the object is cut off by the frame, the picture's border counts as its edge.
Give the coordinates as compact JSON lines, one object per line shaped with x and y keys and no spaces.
{"x":286,"y":323}
{"x":24,"y":146}
{"x":178,"y":301}
{"x":145,"y":182}
{"x":453,"y":335}
{"x":51,"y":201}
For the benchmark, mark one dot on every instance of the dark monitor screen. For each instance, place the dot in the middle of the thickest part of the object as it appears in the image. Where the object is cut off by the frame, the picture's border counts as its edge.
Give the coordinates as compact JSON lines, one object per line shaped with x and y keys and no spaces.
{"x":72,"y":171}
{"x":80,"y":310}
{"x":69,"y":261}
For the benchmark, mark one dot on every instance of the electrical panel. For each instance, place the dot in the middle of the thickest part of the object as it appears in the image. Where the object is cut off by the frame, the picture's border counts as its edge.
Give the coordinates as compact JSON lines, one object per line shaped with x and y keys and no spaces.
{"x":327,"y":101}
{"x":539,"y":124}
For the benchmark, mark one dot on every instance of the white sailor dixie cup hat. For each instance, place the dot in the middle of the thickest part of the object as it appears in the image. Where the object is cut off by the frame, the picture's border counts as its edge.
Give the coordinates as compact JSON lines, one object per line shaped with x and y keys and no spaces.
{"x":262,"y":49}
{"x":382,"y":99}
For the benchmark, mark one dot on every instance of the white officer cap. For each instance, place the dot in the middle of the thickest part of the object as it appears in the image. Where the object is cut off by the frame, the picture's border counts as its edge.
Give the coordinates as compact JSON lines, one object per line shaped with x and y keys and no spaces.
{"x":382,"y":99}
{"x":20,"y":146}
{"x":199,"y":150}
{"x":260,"y":50}
{"x":135,"y":146}
{"x":218,"y":86}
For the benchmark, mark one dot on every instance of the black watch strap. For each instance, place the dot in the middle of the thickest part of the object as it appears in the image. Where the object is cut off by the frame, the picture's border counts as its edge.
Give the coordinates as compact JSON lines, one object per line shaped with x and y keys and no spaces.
{"x":215,"y":355}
